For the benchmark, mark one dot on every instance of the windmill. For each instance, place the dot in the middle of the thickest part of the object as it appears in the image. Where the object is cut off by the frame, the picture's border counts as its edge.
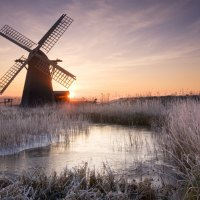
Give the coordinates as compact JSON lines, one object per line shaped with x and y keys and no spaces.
{"x":40,"y":70}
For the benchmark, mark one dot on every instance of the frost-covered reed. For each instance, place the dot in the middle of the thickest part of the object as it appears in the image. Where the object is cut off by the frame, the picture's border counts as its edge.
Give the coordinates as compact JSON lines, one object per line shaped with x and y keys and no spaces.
{"x":181,"y":143}
{"x":181,"y":132}
{"x":134,"y":112}
{"x":79,"y":183}
{"x":178,"y":122}
{"x":23,"y":128}
{"x":35,"y":127}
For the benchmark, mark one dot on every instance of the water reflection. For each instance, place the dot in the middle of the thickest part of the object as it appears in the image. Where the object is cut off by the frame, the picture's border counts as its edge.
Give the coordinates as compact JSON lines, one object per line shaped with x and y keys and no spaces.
{"x":119,"y":146}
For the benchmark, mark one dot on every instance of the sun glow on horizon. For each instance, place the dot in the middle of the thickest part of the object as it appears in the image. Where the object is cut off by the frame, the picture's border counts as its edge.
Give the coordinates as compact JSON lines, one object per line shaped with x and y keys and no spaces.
{"x":71,"y":94}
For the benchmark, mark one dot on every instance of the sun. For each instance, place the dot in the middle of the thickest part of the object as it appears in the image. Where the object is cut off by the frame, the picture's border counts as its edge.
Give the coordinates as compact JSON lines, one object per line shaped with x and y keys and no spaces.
{"x":71,"y":94}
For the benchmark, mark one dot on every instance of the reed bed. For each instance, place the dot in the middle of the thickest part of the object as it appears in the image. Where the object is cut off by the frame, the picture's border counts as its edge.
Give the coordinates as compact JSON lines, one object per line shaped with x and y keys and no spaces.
{"x":35,"y":127}
{"x":23,"y":128}
{"x":142,"y":112}
{"x":178,"y":124}
{"x":180,"y":136}
{"x":79,"y":183}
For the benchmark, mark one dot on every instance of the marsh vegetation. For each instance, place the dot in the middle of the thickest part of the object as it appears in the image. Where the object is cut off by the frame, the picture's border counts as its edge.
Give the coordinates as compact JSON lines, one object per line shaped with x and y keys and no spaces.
{"x":176,"y":126}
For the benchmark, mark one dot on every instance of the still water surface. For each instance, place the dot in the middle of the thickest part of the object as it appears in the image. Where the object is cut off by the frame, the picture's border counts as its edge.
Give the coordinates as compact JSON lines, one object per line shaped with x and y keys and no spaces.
{"x":118,"y":146}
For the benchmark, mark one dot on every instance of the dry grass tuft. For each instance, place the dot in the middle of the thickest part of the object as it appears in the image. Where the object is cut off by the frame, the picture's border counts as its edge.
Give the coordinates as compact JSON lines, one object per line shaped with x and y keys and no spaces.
{"x":81,"y":183}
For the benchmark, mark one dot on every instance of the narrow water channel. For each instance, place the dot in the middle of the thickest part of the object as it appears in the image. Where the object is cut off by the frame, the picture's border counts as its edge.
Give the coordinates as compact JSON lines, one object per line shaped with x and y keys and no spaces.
{"x":118,"y":146}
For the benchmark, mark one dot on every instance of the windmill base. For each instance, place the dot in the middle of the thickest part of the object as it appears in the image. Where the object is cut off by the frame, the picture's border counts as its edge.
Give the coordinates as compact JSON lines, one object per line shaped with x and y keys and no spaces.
{"x":37,"y":90}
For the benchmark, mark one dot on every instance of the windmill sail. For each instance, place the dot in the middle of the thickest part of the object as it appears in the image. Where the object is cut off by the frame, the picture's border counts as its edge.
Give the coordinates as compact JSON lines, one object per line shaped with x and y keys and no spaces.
{"x":54,"y":33}
{"x":17,"y":38}
{"x":57,"y":73}
{"x":61,"y":75}
{"x":8,"y":77}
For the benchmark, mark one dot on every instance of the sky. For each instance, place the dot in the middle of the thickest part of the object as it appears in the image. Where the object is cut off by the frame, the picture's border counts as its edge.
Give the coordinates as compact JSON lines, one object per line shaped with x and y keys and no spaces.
{"x":115,"y":48}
